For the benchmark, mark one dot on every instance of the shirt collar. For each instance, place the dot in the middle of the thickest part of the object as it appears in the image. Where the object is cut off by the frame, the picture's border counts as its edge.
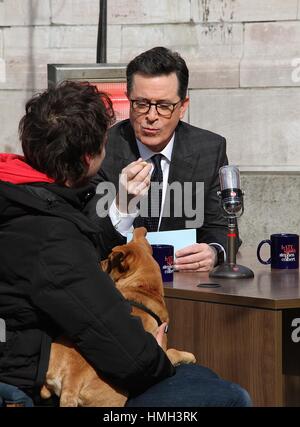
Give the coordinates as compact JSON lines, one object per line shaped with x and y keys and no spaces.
{"x":146,"y":153}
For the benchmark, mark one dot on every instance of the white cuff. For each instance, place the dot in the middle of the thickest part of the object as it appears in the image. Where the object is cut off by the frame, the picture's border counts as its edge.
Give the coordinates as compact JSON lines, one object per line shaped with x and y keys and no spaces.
{"x":121,"y":221}
{"x":221,"y":247}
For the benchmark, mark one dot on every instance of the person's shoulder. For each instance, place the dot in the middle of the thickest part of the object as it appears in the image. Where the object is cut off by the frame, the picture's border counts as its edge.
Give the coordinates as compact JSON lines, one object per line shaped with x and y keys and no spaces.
{"x":63,"y":239}
{"x":121,"y":143}
{"x":120,"y":128}
{"x":58,"y":227}
{"x":186,"y":129}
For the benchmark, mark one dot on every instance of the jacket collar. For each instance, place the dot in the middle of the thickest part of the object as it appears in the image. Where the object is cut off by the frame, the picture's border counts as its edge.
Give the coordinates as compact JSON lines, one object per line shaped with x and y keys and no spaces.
{"x":183,"y":157}
{"x":20,"y":200}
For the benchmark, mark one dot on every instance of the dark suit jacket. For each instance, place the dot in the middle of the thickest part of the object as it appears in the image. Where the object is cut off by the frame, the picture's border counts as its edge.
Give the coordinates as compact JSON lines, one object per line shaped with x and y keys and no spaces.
{"x":197,"y":156}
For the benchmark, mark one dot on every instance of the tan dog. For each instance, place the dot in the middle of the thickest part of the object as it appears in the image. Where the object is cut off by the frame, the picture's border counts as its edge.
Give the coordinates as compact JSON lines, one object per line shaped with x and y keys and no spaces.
{"x":138,"y":278}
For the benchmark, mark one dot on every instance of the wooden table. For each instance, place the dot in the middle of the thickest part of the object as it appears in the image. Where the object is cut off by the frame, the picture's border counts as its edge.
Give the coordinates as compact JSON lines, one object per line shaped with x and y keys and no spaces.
{"x":247,"y":330}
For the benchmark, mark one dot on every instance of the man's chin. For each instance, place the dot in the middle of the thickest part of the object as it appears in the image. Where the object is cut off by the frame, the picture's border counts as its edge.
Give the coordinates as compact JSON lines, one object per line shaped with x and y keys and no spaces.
{"x":154,"y":144}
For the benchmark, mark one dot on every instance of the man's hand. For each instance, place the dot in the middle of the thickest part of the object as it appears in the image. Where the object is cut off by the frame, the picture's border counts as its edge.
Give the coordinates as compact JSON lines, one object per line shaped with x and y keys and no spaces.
{"x":196,"y":257}
{"x":160,"y":335}
{"x":134,"y":182}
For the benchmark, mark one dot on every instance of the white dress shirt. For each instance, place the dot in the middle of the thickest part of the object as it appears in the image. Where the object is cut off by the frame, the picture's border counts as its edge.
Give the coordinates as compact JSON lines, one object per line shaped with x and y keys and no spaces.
{"x":124,"y":221}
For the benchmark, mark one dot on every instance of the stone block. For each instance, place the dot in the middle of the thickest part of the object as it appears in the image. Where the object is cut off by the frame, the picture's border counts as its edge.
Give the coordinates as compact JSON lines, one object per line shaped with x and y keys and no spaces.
{"x":114,"y":43}
{"x":12,"y":109}
{"x":33,"y":40}
{"x":120,"y":12}
{"x":272,"y":39}
{"x":261,"y":126}
{"x":28,"y":69}
{"x":270,"y":54}
{"x":2,"y":16}
{"x":270,"y":207}
{"x":24,"y":12}
{"x":26,"y":63}
{"x":126,"y":12}
{"x":211,"y":74}
{"x":193,"y":42}
{"x":22,"y":73}
{"x":41,"y":45}
{"x":24,"y":54}
{"x":1,"y":44}
{"x":270,"y":72}
{"x":25,"y":41}
{"x":72,"y":37}
{"x":75,"y":12}
{"x":243,"y":11}
{"x":2,"y":71}
{"x":136,"y":39}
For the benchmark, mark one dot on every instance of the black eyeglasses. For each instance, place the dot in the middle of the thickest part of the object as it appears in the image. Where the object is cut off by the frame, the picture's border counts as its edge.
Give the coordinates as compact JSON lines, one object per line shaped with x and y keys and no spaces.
{"x":142,"y":106}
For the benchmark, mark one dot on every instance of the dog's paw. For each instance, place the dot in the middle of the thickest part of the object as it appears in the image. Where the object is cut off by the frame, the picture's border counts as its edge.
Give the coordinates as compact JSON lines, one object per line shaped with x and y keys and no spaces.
{"x":178,"y":357}
{"x":45,"y":393}
{"x":188,"y":357}
{"x":68,"y":400}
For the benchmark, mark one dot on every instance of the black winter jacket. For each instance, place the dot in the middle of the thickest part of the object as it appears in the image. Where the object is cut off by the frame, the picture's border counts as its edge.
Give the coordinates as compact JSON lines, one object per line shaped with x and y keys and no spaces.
{"x":51,"y":285}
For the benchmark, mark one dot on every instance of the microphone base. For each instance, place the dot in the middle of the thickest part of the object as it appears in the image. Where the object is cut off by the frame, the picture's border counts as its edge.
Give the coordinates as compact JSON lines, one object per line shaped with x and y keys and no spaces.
{"x":232,"y":271}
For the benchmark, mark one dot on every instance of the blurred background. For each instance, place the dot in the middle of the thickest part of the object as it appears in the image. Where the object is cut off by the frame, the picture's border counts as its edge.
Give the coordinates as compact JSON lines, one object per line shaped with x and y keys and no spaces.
{"x":244,"y":61}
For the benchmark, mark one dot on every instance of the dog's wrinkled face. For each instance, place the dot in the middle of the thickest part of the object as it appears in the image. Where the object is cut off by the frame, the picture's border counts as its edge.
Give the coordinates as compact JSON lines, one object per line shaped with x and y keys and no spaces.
{"x":129,"y":259}
{"x":117,"y":264}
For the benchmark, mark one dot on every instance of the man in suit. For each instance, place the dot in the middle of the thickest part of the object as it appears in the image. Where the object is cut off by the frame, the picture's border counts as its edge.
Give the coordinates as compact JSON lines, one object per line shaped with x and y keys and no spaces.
{"x":157,"y":82}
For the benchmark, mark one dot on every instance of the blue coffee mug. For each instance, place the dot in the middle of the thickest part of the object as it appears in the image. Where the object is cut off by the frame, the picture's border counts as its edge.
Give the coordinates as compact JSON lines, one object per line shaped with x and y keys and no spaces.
{"x":284,"y":251}
{"x":164,"y":256}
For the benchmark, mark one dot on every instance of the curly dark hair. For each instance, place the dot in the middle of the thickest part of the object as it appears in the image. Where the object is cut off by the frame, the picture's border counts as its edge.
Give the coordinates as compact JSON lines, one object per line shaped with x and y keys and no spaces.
{"x":61,"y":125}
{"x":156,"y":62}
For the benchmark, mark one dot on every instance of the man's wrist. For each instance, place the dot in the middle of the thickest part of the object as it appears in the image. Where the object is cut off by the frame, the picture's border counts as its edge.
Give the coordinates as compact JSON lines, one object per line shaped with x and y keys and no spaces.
{"x":220,"y":253}
{"x":121,"y":221}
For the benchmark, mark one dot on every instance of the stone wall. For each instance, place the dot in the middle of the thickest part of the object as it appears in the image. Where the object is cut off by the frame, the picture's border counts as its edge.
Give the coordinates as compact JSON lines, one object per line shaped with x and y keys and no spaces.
{"x":244,"y":58}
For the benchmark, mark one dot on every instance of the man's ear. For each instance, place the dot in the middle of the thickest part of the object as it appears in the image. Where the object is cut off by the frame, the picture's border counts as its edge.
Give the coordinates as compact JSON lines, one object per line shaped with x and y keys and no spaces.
{"x":87,"y":159}
{"x":184,"y":106}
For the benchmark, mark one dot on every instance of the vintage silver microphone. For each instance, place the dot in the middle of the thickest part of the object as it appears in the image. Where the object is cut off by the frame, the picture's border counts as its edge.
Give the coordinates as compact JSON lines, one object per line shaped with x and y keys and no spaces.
{"x":231,"y":197}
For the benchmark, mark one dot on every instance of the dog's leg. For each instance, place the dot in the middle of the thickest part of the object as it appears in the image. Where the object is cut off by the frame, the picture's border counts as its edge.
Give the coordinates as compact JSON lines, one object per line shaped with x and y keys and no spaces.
{"x":70,"y":391}
{"x":99,"y":393}
{"x":68,"y":400}
{"x":177,"y":357}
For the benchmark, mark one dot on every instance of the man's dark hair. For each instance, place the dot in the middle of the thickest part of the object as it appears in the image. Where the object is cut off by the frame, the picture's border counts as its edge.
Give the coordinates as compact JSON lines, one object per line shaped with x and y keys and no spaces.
{"x":159,"y":61}
{"x":61,"y":125}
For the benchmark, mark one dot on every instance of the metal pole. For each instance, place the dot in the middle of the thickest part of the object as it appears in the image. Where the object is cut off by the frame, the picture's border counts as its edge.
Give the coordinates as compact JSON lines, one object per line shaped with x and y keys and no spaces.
{"x":231,"y":240}
{"x":102,"y":33}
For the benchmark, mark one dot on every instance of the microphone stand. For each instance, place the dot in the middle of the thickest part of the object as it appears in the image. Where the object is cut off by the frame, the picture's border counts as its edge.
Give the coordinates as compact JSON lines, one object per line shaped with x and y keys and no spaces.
{"x":231,"y":201}
{"x":230,"y":269}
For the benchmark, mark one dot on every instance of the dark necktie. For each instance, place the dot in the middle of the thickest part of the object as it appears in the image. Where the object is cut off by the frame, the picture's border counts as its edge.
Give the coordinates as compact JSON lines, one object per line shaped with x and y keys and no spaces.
{"x":154,"y":197}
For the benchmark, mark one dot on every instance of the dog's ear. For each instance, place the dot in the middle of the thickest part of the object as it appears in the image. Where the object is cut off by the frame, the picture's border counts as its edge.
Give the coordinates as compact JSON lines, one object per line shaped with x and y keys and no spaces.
{"x":139,"y":233}
{"x":117,"y":260}
{"x":139,"y":236}
{"x":104,"y":265}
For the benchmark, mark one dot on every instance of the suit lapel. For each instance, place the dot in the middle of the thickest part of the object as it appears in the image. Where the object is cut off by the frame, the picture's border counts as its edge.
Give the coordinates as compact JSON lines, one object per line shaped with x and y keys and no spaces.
{"x":182,"y":162}
{"x":181,"y":170}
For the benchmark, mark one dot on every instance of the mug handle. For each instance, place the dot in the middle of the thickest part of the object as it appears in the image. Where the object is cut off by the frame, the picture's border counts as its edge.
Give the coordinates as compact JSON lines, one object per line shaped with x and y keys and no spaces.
{"x":258,"y":252}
